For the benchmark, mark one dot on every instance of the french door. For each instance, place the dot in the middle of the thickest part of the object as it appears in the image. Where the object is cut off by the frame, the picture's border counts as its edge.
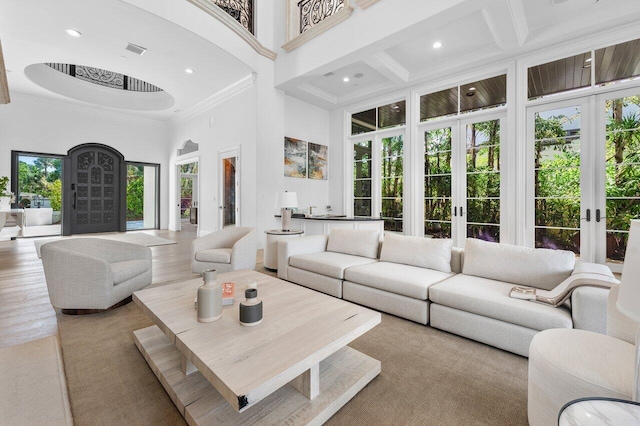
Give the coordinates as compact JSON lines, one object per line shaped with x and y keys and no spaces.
{"x":584,"y":175}
{"x":378,"y":178}
{"x":462,"y":178}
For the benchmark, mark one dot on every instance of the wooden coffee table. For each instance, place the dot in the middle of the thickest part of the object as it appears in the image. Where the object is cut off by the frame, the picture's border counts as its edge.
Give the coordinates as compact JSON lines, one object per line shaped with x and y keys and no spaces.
{"x":295,"y":367}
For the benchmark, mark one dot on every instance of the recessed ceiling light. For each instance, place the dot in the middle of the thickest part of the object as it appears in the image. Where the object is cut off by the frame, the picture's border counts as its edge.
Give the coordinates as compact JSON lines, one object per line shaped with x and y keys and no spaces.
{"x":73,"y":33}
{"x":189,"y":70}
{"x":472,"y":88}
{"x":588,"y":60}
{"x":346,"y":79}
{"x":437,"y":45}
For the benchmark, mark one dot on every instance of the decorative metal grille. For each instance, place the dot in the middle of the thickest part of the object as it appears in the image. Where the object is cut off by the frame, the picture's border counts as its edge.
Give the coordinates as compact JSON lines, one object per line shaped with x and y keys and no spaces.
{"x":240,"y":10}
{"x":104,"y":77}
{"x":312,"y":12}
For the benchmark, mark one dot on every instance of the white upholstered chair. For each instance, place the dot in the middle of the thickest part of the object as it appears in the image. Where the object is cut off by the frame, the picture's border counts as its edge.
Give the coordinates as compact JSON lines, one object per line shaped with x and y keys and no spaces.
{"x":567,"y":364}
{"x":86,"y":275}
{"x":229,"y":249}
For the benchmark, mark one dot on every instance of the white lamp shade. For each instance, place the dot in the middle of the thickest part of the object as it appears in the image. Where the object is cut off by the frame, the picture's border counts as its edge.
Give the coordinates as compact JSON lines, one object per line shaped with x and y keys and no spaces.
{"x":629,"y":298}
{"x":286,"y":200}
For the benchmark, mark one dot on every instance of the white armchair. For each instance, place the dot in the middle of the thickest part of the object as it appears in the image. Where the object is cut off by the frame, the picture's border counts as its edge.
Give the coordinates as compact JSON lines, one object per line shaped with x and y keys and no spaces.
{"x":229,"y":249}
{"x":86,"y":275}
{"x":566,"y":364}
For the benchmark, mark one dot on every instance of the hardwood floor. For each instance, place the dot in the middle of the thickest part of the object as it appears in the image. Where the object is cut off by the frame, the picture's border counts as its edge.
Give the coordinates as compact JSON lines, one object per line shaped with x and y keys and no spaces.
{"x":25,"y":311}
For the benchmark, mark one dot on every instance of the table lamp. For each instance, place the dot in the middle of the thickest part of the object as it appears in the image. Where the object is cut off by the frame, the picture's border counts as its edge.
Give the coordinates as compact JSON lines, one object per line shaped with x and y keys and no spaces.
{"x":286,"y":201}
{"x":629,"y":297}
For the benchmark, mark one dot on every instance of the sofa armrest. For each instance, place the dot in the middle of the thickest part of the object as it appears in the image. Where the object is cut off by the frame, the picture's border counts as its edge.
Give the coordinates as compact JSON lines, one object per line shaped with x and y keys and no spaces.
{"x":293,"y":246}
{"x":75,"y":280}
{"x":244,"y":252}
{"x":589,"y":309}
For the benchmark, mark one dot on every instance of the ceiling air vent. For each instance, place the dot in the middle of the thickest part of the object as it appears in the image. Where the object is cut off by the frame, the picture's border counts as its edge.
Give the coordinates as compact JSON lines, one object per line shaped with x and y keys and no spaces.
{"x":138,"y":50}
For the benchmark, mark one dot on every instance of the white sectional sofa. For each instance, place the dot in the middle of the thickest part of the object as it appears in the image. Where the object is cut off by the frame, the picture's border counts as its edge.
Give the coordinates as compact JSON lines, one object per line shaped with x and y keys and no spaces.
{"x":465,"y":292}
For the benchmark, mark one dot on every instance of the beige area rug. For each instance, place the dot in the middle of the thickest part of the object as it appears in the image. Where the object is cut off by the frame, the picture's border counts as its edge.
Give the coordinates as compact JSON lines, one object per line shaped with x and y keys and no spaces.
{"x":428,"y":377}
{"x":136,"y":237}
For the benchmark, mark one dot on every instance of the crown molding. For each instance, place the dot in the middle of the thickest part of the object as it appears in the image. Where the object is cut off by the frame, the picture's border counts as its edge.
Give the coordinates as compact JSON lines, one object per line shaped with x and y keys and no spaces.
{"x":318,"y":93}
{"x":222,"y":16}
{"x":81,"y":108}
{"x":4,"y":85}
{"x":366,"y":3}
{"x":215,"y":99}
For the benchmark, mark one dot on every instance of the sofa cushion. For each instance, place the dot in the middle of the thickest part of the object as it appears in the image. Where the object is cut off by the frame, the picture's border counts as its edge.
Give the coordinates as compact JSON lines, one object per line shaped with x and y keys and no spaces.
{"x":328,"y":263}
{"x":539,"y":268}
{"x":127,"y":269}
{"x":433,"y":253}
{"x":490,"y":298}
{"x":397,"y":278}
{"x":358,"y":242}
{"x":219,"y":255}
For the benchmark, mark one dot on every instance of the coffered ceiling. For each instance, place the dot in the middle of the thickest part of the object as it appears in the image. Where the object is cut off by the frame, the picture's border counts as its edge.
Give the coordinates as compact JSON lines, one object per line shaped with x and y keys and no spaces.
{"x":478,"y":33}
{"x":473,"y":33}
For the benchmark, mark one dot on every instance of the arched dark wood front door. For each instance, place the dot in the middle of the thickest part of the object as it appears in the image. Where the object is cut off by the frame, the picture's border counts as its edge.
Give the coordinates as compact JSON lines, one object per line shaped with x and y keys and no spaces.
{"x":94,"y":195}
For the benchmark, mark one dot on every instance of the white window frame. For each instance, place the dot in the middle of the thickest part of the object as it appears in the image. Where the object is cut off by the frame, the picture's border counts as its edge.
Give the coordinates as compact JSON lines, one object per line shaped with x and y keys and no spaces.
{"x":376,"y":163}
{"x":458,"y":125}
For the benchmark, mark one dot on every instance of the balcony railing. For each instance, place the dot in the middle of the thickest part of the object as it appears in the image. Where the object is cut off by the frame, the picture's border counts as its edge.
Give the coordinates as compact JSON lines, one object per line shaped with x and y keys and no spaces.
{"x":240,"y":10}
{"x":307,"y":19}
{"x":312,"y":12}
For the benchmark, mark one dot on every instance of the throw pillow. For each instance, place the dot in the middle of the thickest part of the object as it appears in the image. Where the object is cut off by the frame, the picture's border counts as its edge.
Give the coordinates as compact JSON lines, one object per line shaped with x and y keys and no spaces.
{"x":358,"y":242}
{"x":532,"y":267}
{"x":431,"y":253}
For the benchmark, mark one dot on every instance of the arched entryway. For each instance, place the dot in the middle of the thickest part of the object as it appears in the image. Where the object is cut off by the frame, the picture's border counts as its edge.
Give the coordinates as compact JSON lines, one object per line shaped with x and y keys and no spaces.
{"x":94,"y":190}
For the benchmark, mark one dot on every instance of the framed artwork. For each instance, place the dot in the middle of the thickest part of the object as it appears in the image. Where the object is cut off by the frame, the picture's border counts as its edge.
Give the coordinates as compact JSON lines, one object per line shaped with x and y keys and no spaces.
{"x":318,"y":157}
{"x":295,"y":158}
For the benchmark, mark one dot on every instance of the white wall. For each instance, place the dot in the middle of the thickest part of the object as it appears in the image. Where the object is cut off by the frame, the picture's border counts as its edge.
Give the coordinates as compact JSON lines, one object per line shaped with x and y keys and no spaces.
{"x":49,"y":126}
{"x":311,"y":124}
{"x":229,"y":124}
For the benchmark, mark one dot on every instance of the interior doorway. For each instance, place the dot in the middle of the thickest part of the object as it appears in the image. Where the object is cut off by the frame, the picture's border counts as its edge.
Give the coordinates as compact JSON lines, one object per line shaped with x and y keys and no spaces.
{"x":143,"y":196}
{"x":229,"y":192}
{"x":188,"y":193}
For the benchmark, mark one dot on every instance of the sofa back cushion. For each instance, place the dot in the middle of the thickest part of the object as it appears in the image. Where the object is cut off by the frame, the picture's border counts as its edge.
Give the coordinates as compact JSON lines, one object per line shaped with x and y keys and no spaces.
{"x":358,"y":242}
{"x":428,"y":253}
{"x":539,"y":268}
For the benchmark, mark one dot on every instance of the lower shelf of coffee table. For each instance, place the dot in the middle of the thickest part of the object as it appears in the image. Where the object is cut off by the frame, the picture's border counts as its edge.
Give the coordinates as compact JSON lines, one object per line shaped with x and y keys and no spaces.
{"x":342,"y":376}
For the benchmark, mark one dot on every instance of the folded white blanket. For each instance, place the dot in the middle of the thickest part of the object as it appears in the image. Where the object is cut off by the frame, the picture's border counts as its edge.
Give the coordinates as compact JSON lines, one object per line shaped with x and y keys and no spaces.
{"x":593,"y":275}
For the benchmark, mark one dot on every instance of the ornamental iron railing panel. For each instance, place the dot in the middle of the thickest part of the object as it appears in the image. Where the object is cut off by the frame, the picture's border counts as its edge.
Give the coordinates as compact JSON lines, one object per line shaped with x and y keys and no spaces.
{"x":312,"y":12}
{"x":105,"y":78}
{"x":240,"y":10}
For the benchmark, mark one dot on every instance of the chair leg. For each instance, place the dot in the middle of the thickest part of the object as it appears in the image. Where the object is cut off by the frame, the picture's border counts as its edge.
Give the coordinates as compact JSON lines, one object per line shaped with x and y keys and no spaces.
{"x":95,"y":311}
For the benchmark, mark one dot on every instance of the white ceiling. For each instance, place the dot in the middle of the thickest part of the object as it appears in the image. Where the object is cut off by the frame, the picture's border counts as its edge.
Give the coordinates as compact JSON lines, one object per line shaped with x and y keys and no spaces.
{"x":477,"y":33}
{"x":482,"y":33}
{"x":34,"y":32}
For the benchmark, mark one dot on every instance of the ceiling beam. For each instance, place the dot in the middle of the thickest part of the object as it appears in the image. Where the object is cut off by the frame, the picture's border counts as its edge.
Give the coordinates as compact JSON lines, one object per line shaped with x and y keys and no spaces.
{"x":507,"y":23}
{"x":389,"y":67}
{"x":4,"y":86}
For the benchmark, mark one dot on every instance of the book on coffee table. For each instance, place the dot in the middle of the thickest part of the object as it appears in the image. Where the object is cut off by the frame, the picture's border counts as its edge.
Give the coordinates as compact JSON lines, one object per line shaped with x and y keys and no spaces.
{"x":228,"y":293}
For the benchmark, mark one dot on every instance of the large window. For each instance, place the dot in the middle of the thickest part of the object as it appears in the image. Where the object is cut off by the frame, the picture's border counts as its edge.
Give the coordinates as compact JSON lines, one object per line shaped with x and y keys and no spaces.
{"x":462,"y":180}
{"x":378,"y":179}
{"x":585,"y":188}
